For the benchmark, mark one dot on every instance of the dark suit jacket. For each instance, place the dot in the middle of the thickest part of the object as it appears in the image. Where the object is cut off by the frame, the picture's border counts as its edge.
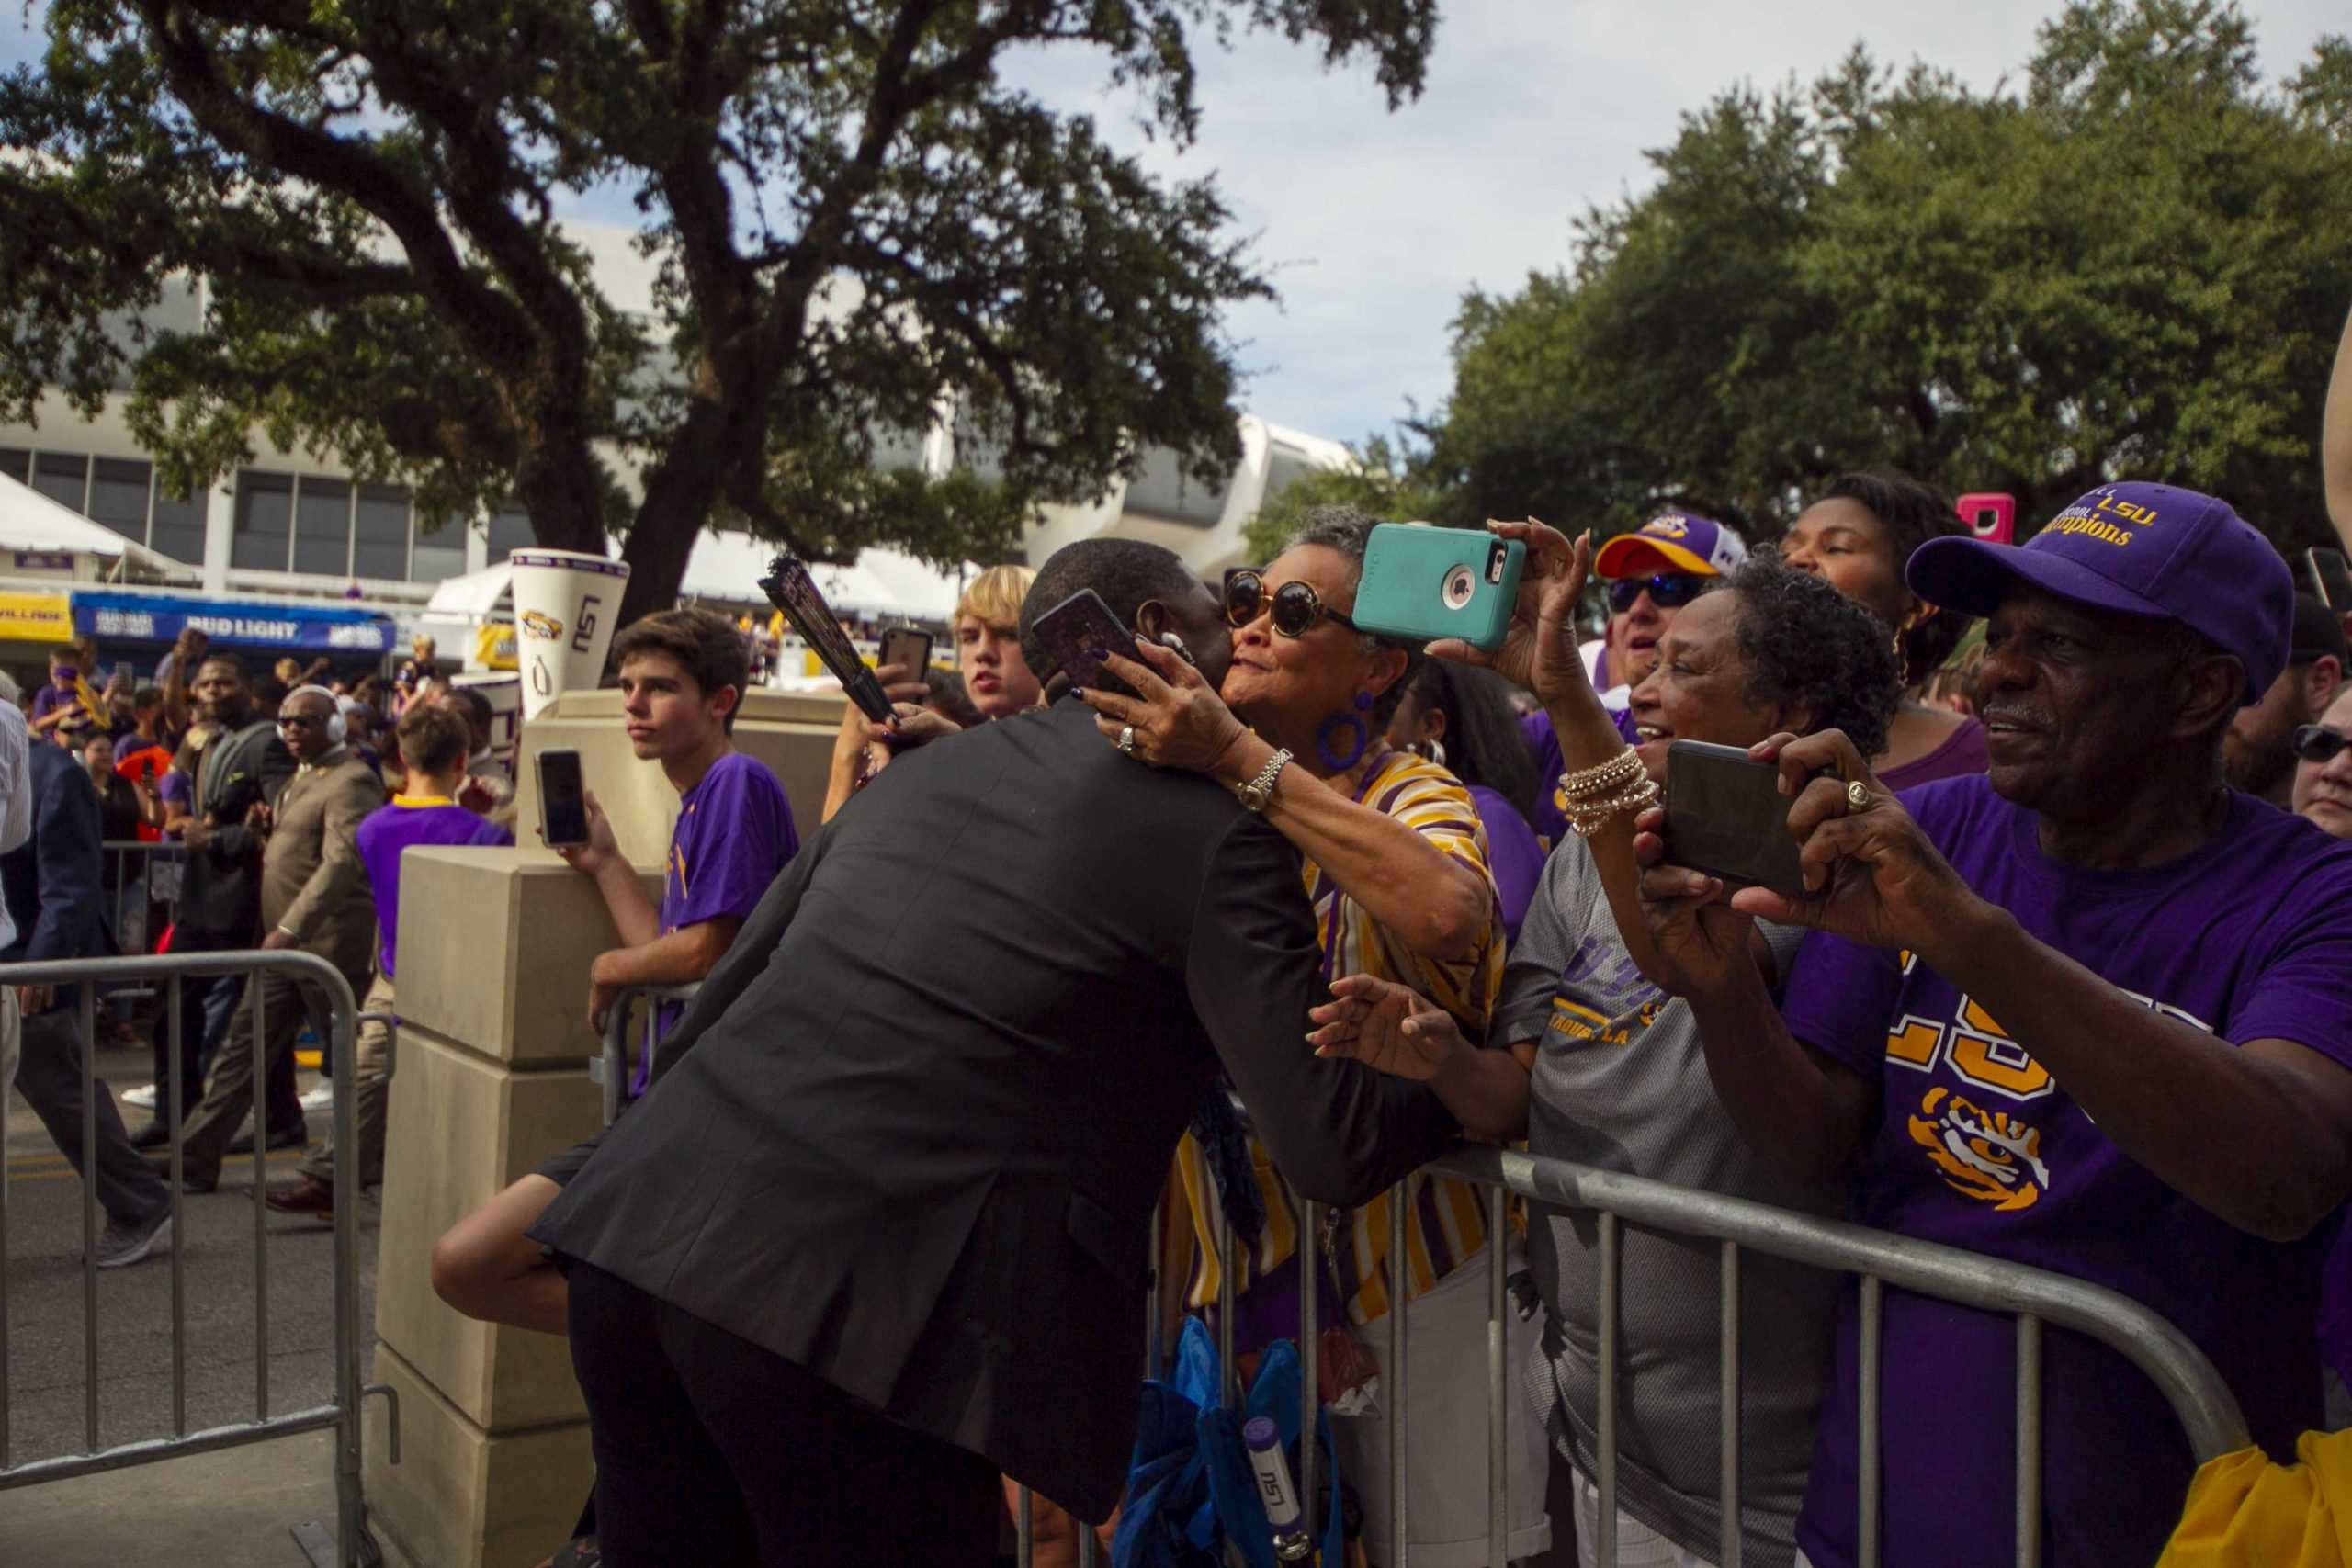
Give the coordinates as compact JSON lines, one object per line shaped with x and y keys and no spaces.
{"x":220,"y":893}
{"x":910,"y":1134}
{"x":51,"y":880}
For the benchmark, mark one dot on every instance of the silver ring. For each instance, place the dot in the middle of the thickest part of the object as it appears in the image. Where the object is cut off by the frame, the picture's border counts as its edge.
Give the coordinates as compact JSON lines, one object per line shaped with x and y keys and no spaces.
{"x":1127,"y":739}
{"x":1857,"y":796}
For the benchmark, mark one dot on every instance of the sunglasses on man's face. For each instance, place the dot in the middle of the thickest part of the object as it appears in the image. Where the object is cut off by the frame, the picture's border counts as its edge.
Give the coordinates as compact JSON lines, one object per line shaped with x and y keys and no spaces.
{"x":1669,"y":591}
{"x":2318,"y":743}
{"x":1296,"y":607}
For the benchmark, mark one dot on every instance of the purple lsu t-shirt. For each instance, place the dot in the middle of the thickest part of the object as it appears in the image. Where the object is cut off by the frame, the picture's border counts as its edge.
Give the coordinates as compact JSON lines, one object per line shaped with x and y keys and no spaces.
{"x":1550,"y":818}
{"x":734,"y":833}
{"x":407,"y":821}
{"x":1978,"y":1147}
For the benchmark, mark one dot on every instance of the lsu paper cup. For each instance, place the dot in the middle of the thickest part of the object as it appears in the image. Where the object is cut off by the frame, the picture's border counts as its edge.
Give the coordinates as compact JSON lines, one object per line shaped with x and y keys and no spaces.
{"x":564,"y":606}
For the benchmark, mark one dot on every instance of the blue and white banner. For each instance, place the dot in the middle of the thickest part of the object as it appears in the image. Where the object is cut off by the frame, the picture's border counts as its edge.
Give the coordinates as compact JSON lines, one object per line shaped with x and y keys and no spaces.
{"x":316,"y":628}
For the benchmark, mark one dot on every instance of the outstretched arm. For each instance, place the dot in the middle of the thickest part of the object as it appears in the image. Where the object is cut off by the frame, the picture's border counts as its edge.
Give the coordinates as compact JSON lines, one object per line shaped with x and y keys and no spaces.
{"x":2335,"y":444}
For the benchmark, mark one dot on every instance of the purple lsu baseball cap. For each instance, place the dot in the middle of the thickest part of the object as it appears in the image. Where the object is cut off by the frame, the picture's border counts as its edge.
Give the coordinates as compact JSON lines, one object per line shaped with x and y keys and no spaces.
{"x":2143,"y":549}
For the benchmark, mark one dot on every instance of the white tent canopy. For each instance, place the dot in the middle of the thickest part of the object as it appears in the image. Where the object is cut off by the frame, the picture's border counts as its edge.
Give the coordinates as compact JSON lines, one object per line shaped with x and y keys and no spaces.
{"x":728,"y":566}
{"x":31,"y":521}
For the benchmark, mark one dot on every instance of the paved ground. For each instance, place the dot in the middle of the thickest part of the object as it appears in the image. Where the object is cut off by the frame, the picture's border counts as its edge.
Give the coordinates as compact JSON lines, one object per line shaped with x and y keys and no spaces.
{"x":224,"y":1510}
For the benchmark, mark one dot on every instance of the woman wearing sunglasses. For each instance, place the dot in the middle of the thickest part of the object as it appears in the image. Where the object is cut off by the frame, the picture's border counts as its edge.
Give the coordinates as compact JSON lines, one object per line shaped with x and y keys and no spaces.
{"x":1396,"y":869}
{"x":1599,"y":1065}
{"x":2324,"y":768}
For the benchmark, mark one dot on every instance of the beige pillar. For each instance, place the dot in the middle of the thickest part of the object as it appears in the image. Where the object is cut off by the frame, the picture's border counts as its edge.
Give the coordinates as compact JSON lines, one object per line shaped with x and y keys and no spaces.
{"x":491,"y":1079}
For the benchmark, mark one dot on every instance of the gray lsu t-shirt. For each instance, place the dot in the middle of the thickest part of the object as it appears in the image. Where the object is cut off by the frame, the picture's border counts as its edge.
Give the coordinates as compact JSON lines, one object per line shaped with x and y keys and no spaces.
{"x":1634,"y":1097}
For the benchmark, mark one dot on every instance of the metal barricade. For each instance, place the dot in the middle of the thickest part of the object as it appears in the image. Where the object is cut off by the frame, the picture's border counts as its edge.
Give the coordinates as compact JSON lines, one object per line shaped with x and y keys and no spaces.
{"x":353,"y":1545}
{"x":2208,"y":1412}
{"x":142,"y":876}
{"x":610,"y":1067}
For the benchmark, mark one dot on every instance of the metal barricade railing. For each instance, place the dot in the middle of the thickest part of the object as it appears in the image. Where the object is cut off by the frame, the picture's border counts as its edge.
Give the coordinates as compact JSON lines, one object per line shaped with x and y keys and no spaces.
{"x":609,"y":1069}
{"x":353,"y":1545}
{"x":2208,"y":1412}
{"x":141,"y":873}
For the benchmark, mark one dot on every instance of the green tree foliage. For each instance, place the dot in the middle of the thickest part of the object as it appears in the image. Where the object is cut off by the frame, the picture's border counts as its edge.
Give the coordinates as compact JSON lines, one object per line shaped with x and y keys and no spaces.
{"x":2123,"y":266}
{"x":856,"y":221}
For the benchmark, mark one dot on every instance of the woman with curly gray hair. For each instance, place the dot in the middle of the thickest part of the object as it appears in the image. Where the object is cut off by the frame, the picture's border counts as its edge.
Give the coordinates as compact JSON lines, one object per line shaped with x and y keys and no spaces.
{"x":1603,"y":1067}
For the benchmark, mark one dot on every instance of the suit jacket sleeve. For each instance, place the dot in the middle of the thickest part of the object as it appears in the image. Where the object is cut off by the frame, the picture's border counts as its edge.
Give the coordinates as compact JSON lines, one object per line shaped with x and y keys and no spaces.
{"x":1339,"y":1130}
{"x":233,"y":843}
{"x":353,"y":793}
{"x":65,"y":842}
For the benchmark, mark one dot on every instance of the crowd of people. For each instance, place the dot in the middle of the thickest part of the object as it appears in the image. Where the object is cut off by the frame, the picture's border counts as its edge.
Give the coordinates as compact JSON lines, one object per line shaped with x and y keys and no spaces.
{"x":1274,"y":911}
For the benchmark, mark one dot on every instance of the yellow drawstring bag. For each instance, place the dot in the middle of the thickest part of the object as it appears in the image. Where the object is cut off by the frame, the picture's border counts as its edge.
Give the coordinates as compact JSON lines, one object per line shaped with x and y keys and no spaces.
{"x":2245,"y":1512}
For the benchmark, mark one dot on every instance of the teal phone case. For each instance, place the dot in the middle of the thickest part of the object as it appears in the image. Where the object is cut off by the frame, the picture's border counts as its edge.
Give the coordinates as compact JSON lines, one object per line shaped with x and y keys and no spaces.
{"x":1423,"y":583}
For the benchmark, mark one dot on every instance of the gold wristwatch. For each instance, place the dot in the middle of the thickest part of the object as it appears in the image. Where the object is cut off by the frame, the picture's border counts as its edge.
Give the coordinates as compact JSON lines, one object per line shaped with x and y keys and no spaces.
{"x":1260,"y":790}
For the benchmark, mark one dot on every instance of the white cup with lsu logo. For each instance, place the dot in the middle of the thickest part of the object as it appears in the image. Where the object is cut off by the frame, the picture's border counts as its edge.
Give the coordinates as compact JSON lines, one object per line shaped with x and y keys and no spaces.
{"x":565,"y":605}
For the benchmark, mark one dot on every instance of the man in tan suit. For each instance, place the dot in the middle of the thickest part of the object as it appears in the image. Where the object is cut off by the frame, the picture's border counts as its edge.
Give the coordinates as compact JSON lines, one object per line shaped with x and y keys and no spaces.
{"x":314,"y":896}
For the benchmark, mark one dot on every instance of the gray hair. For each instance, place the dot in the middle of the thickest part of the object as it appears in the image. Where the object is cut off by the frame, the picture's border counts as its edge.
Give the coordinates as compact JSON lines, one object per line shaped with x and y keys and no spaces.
{"x":1348,"y":531}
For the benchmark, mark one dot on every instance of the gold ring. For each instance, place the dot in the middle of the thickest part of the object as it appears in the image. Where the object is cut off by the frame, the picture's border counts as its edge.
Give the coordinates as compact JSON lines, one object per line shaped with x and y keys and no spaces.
{"x":1127,"y":739}
{"x":1857,"y":796}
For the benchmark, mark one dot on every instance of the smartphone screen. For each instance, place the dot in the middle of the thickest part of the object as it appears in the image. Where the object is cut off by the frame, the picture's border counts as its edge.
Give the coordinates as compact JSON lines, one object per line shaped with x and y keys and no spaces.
{"x":2331,"y":576}
{"x":1725,"y":816}
{"x":907,"y":647}
{"x":563,"y":804}
{"x":1078,"y":631}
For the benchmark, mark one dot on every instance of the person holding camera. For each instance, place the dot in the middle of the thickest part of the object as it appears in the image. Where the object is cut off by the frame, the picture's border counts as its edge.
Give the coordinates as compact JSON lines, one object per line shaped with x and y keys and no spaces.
{"x":1604,"y":1068}
{"x":2091,"y":1013}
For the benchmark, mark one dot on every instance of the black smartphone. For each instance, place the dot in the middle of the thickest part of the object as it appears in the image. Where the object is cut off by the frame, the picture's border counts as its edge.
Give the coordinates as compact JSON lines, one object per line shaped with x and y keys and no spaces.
{"x":1725,"y":816}
{"x":2330,"y":577}
{"x":564,"y":799}
{"x":790,"y":589}
{"x":909,"y":647}
{"x":1078,"y":631}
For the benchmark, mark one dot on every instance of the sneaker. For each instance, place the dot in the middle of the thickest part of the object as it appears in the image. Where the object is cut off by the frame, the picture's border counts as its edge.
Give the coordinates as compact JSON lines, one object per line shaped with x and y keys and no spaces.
{"x":123,"y":1246}
{"x":142,"y":1097}
{"x":321,"y":1098}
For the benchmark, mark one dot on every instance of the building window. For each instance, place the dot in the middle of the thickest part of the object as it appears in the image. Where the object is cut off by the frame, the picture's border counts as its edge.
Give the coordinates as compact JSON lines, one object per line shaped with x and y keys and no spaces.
{"x":323,"y":526}
{"x":263,"y":525}
{"x":380,"y":533}
{"x":439,"y":550}
{"x":63,"y":477}
{"x":17,"y":463}
{"x":509,"y":530}
{"x":178,"y":528}
{"x":118,"y":490}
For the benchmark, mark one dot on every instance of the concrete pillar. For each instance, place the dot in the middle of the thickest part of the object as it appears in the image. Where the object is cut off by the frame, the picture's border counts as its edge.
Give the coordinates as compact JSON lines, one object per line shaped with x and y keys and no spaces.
{"x":491,"y":1079}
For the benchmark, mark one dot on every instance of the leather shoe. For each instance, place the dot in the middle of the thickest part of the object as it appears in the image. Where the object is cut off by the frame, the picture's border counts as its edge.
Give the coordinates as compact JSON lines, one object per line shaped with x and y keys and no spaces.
{"x":308,"y":1196}
{"x":294,"y":1136}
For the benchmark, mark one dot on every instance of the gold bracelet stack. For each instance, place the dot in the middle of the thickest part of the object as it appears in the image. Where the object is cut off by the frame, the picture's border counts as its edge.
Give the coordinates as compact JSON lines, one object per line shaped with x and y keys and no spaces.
{"x":1596,"y":795}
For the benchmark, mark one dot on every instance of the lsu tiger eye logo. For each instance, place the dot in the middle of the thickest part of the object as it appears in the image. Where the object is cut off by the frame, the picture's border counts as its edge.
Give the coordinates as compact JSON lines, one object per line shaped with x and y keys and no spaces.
{"x":1988,"y":1155}
{"x":538,"y":622}
{"x":1666,"y":527}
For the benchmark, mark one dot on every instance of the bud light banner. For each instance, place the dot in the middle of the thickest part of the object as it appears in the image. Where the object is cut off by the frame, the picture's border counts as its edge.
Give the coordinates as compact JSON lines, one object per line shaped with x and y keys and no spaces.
{"x":312,"y":628}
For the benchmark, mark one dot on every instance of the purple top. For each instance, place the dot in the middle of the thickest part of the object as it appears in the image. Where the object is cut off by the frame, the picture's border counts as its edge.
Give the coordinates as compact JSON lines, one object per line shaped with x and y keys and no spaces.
{"x":734,"y":833}
{"x":176,"y":787}
{"x":1512,"y":854}
{"x":1550,"y":818}
{"x":1978,"y":1147}
{"x":389,"y":830}
{"x":1961,"y":755}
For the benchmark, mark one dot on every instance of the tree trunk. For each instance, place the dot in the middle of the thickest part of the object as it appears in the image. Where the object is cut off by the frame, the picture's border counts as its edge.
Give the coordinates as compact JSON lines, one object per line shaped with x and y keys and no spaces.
{"x":656,"y":550}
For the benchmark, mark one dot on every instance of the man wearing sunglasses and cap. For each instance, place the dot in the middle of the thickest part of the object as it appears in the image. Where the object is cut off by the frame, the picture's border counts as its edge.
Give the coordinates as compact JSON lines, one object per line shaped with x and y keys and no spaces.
{"x":1650,"y":574}
{"x":2259,"y":751}
{"x":2090,"y":1012}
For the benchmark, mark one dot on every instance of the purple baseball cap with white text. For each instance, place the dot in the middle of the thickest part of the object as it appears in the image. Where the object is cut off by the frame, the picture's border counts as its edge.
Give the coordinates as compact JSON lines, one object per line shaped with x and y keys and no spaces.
{"x":2143,"y":549}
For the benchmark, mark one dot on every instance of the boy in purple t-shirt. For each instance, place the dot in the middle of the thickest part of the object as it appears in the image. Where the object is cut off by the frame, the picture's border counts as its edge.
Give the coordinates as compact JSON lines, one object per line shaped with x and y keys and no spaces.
{"x":2090,"y":1012}
{"x":433,"y":743}
{"x":683,"y":673}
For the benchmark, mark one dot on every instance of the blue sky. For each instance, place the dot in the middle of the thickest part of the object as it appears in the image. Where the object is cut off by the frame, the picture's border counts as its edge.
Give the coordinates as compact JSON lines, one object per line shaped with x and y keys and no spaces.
{"x":1374,"y":223}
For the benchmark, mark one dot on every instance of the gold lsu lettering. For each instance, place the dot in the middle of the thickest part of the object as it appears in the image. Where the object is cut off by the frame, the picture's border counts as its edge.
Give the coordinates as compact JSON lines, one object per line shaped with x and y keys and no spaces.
{"x":1977,"y":1048}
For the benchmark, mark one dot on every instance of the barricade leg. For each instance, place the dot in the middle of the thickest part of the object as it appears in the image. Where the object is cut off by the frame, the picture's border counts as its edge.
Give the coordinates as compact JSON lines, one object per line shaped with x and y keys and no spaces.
{"x":87,"y":1030}
{"x":1606,"y":1551}
{"x":1730,"y":1458}
{"x":170,"y":1084}
{"x":1310,"y":1366}
{"x":1866,"y":1453}
{"x":1399,"y":1287}
{"x":1498,"y":1411}
{"x":2028,"y":1478}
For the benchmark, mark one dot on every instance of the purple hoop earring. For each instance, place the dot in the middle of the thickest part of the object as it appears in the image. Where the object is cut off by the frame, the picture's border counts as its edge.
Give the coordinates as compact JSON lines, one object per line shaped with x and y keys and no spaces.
{"x":1359,"y":738}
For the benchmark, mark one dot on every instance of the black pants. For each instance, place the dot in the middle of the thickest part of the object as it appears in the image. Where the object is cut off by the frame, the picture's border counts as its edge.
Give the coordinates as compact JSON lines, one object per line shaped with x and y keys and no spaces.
{"x":712,"y":1452}
{"x":51,"y":1079}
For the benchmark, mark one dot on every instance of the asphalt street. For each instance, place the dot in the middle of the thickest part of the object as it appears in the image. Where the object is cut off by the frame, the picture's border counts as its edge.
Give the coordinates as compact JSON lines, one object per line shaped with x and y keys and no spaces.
{"x":216,"y":1241}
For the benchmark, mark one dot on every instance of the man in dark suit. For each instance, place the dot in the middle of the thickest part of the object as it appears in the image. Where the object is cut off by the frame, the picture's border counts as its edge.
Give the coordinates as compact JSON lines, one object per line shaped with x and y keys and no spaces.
{"x":54,"y":890}
{"x":245,"y":766}
{"x":879,"y":1230}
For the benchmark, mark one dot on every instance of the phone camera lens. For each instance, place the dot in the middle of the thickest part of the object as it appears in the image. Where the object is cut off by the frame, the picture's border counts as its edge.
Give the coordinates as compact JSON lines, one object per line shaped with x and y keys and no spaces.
{"x":1460,"y":584}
